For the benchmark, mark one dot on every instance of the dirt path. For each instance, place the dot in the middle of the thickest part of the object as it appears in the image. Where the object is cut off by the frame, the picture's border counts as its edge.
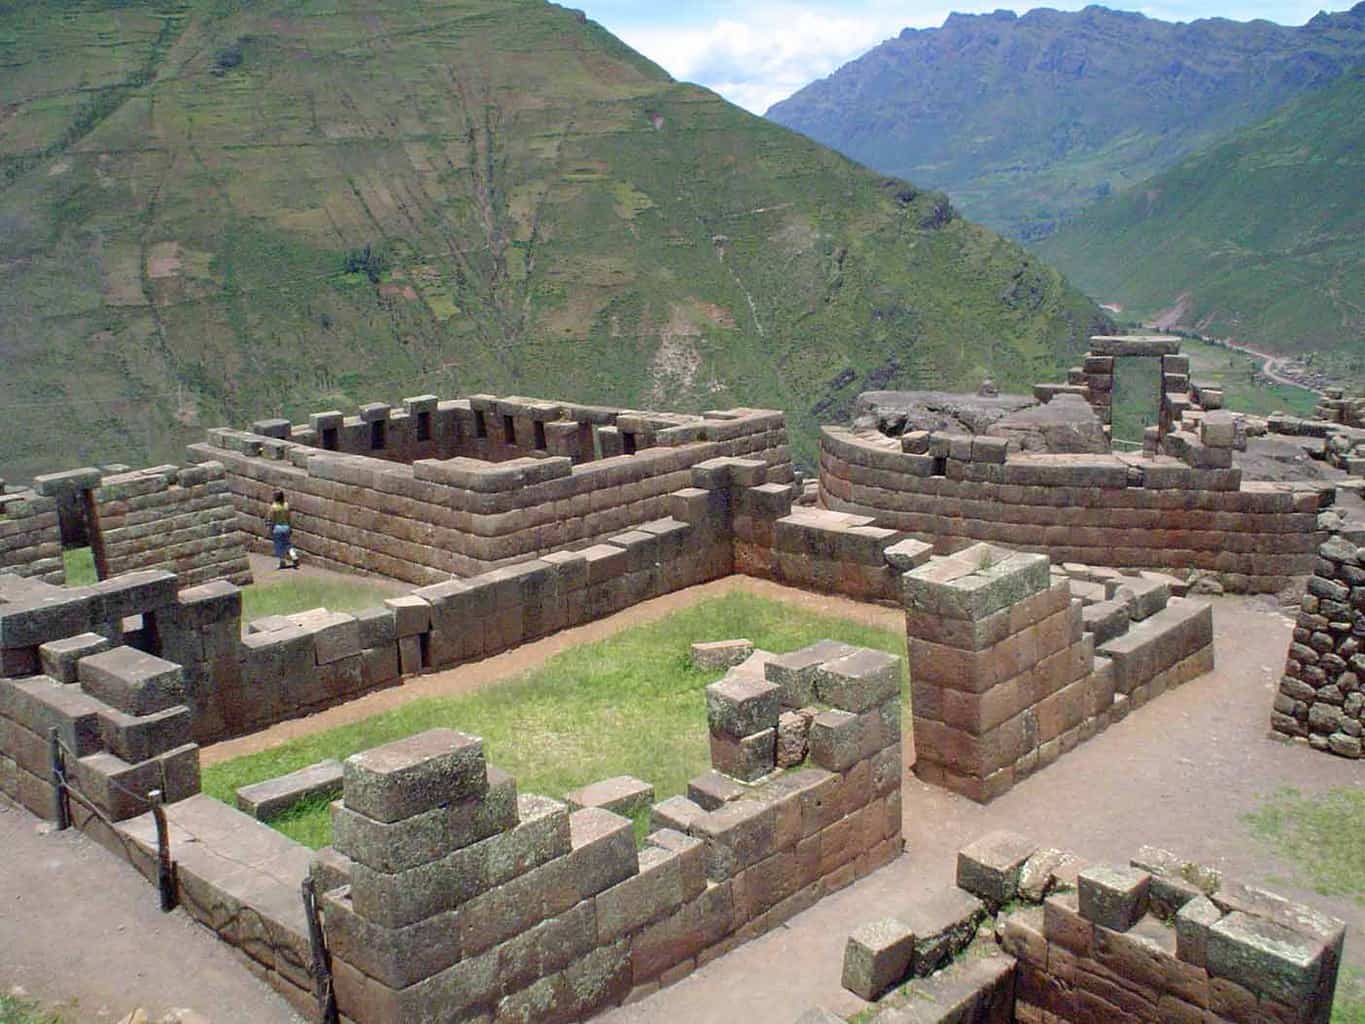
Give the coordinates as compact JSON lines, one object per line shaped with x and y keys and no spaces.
{"x":81,"y":930}
{"x":1179,"y":773}
{"x":474,"y":676}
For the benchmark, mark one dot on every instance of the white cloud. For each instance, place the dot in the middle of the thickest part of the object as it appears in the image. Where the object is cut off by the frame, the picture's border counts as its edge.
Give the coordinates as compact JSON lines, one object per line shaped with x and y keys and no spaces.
{"x":769,"y":51}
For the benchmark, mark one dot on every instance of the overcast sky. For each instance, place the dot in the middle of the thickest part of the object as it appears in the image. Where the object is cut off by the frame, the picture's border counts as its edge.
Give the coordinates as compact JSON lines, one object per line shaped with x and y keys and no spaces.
{"x":756,"y":52}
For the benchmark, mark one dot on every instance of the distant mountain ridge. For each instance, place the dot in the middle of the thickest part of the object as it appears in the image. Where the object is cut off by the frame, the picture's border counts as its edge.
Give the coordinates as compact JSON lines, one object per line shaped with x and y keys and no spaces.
{"x":1259,"y":238}
{"x":214,"y":210}
{"x":1026,"y":121}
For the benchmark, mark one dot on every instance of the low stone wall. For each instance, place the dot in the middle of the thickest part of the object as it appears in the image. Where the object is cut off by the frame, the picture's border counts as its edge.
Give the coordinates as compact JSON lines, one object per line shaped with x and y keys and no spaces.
{"x":31,"y":537}
{"x":424,"y":521}
{"x":1158,"y":939}
{"x":463,"y":898}
{"x":1127,"y":511}
{"x":1320,"y":697}
{"x":180,"y":520}
{"x":1004,"y":664}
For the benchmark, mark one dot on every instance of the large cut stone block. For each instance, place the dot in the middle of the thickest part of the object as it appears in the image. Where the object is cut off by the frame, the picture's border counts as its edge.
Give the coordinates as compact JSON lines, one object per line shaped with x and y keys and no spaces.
{"x":1267,"y":958}
{"x":623,"y":794}
{"x":740,"y":706}
{"x":976,"y":582}
{"x":415,"y":774}
{"x":131,"y":681}
{"x":59,"y":658}
{"x":721,"y":653}
{"x":399,"y":846}
{"x":859,"y":681}
{"x":991,"y":866}
{"x":795,"y":672}
{"x":877,"y":957}
{"x":1113,"y":897}
{"x":748,"y":757}
{"x":138,"y":737}
{"x":264,"y":800}
{"x":603,"y":850}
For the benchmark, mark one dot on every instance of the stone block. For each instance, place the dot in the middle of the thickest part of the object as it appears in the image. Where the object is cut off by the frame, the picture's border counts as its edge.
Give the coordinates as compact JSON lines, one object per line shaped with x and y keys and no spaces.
{"x":336,"y":635}
{"x":711,"y":790}
{"x":1149,"y":346}
{"x":58,"y":658}
{"x":1192,"y":924}
{"x":603,"y":850}
{"x":677,"y":812}
{"x":392,"y":847}
{"x":265,"y":800}
{"x":748,"y":758}
{"x":1113,"y":897}
{"x":719,"y":654}
{"x":739,"y":706}
{"x":793,"y":737}
{"x":412,"y":775}
{"x":991,"y":866}
{"x":795,"y":673}
{"x":1219,"y":429}
{"x":835,"y":740}
{"x":737,"y":834}
{"x":975,"y":583}
{"x":623,"y":795}
{"x":877,"y":957}
{"x":858,"y":681}
{"x":136,"y":738}
{"x":39,"y":704}
{"x":131,"y":681}
{"x":908,"y":554}
{"x":411,"y":614}
{"x":944,"y":924}
{"x":1267,"y":958}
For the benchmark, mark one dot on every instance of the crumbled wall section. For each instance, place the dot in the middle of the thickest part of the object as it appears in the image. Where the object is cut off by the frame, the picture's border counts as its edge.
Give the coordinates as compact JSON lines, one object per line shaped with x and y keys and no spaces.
{"x":176,"y":519}
{"x":31,"y":537}
{"x":1320,"y":698}
{"x":459,"y":899}
{"x":1157,"y":939}
{"x":1154,"y":512}
{"x":465,"y":514}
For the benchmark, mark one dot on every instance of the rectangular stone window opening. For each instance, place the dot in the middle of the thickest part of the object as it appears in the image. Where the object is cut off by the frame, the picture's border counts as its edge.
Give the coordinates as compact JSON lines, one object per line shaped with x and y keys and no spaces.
{"x":509,"y":430}
{"x":628,"y":442}
{"x":541,"y":444}
{"x":377,"y":435}
{"x":1137,"y":398}
{"x":480,"y":424}
{"x":424,"y":426}
{"x":329,"y":439}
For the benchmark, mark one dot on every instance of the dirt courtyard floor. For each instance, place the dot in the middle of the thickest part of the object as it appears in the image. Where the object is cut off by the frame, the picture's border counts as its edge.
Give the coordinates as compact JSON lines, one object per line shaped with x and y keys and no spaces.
{"x":1180,"y":773}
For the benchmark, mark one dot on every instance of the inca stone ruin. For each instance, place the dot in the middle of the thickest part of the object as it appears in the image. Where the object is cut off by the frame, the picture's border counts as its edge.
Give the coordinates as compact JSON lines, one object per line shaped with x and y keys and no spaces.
{"x":1050,"y":588}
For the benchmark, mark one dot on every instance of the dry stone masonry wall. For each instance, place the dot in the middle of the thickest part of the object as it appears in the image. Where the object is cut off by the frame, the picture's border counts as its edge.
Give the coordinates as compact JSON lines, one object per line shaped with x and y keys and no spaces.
{"x":31,"y":537}
{"x":1322,"y":692}
{"x":1158,"y":939}
{"x":1153,"y":512}
{"x":426,"y":519}
{"x":1010,"y":671}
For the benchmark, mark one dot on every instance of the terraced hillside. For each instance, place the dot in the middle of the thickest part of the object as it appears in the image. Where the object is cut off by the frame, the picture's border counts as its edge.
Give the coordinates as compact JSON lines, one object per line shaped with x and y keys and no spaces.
{"x":1260,"y":237}
{"x":216,"y":209}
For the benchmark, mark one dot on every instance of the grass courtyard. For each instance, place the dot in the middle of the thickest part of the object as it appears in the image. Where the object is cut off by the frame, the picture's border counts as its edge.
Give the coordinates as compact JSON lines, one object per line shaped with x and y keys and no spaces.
{"x":628,"y":705}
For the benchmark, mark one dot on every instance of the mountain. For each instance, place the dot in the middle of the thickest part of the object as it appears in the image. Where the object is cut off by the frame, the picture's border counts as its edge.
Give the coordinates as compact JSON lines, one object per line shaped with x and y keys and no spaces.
{"x":212,"y":210}
{"x":1025,"y":121}
{"x":1260,"y":237}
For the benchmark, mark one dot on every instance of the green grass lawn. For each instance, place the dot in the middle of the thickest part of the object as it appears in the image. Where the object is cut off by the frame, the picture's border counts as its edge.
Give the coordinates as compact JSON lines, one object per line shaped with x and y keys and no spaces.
{"x":632,"y":704}
{"x":80,"y":567}
{"x":285,"y":592}
{"x":14,"y":1010}
{"x":1319,"y":835}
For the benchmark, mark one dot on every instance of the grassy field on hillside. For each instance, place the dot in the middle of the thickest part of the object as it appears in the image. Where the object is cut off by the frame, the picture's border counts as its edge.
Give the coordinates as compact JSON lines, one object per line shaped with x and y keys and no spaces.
{"x":1215,"y":366}
{"x":631,"y":704}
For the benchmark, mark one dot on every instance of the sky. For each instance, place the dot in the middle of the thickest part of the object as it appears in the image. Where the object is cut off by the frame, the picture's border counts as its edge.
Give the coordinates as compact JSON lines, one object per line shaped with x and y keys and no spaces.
{"x":756,"y":52}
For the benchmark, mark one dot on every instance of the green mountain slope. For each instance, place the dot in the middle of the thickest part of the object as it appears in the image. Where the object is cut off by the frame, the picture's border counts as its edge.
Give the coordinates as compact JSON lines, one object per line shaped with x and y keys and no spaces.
{"x":1026,"y":121}
{"x":1260,"y":238}
{"x":219,"y":209}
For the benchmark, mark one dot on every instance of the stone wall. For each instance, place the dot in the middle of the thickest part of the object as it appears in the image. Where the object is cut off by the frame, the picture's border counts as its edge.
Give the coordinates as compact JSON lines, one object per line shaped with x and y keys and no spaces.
{"x":461,"y":898}
{"x":1154,"y":512}
{"x":176,"y":519}
{"x":1157,"y":939}
{"x":31,"y":537}
{"x":432,"y":518}
{"x":1321,"y":699}
{"x":1004,"y":665}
